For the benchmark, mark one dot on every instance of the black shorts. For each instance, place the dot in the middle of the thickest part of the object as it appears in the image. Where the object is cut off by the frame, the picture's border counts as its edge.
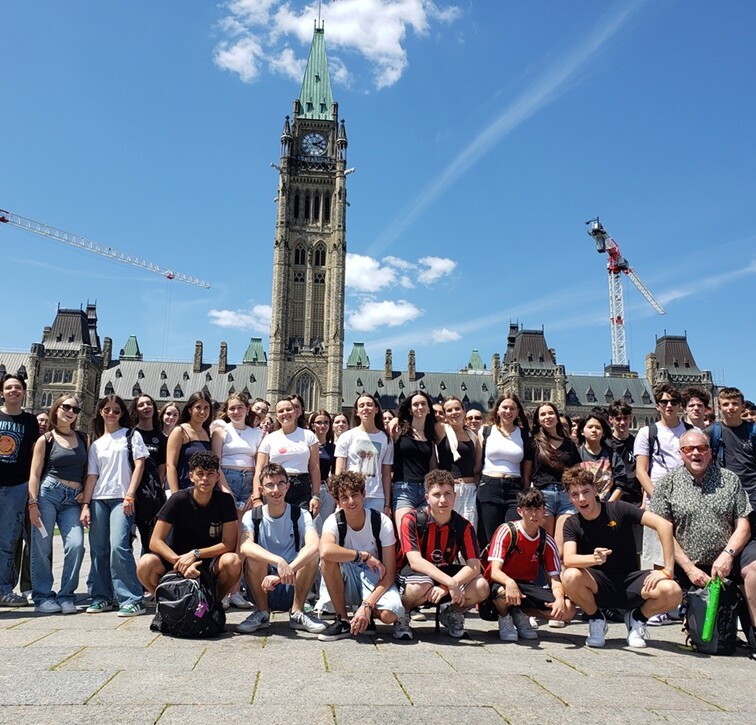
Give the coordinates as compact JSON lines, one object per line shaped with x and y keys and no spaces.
{"x":619,"y":590}
{"x":533,"y":596}
{"x":409,"y":576}
{"x":207,"y":565}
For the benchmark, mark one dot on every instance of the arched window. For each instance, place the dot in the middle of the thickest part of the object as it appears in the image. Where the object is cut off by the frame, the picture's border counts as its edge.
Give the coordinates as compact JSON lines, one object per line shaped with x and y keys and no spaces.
{"x":136,"y":390}
{"x":320,"y":256}
{"x":177,"y":392}
{"x":296,"y":205}
{"x":305,"y":388}
{"x":109,"y":390}
{"x":316,"y":208}
{"x":307,"y":208}
{"x":164,"y":392}
{"x":300,"y":256}
{"x":327,"y":208}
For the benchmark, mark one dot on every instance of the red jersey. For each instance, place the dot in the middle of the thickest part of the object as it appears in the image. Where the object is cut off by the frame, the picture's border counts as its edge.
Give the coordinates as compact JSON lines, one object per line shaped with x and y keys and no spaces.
{"x":439,"y":544}
{"x":523,"y":563}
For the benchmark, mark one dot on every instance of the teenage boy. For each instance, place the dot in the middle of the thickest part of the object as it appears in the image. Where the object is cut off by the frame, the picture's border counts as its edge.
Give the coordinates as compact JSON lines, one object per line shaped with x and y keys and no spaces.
{"x":623,"y":443}
{"x":431,"y":538}
{"x":358,"y":562}
{"x":695,"y":401}
{"x":201,"y":525}
{"x":18,"y":433}
{"x":514,"y":567}
{"x":600,"y":562}
{"x":280,"y":560}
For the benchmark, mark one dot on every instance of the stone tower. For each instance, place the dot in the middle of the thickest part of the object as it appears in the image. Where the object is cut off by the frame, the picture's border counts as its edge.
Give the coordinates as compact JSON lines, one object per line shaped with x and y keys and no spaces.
{"x":307,"y":325}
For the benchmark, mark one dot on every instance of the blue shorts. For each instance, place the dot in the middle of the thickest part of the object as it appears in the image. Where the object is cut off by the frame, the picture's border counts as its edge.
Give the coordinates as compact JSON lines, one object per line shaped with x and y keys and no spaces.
{"x":240,"y":483}
{"x":557,"y":501}
{"x":408,"y":494}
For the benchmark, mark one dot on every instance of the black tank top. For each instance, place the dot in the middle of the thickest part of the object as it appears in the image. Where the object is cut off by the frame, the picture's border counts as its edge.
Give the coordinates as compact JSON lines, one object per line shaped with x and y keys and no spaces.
{"x":412,"y":459}
{"x":465,"y":466}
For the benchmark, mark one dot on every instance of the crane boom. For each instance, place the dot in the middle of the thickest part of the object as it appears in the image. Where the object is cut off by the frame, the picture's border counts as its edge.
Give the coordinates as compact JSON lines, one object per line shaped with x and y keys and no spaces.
{"x":617,"y":266}
{"x":88,"y":245}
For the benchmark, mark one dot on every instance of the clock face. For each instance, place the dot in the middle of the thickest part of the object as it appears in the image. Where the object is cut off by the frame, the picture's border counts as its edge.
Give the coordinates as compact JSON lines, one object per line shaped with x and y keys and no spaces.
{"x":314,"y":144}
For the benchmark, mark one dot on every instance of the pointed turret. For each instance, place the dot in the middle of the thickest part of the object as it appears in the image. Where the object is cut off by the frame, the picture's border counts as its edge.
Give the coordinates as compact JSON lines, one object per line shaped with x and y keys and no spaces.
{"x":315,"y":98}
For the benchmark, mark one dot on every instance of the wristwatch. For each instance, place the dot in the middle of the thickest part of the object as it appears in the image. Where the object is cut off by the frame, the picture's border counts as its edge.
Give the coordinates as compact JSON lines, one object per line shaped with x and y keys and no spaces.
{"x":729,"y":550}
{"x":196,"y":553}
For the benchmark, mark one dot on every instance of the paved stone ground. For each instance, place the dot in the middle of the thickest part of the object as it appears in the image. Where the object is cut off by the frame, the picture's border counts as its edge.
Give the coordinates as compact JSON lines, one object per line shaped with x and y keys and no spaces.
{"x":101,"y":669}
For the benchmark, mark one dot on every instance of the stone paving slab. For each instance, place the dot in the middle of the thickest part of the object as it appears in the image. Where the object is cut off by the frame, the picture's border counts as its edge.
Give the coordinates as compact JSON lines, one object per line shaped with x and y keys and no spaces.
{"x":81,"y":714}
{"x":51,"y":688}
{"x":279,"y":714}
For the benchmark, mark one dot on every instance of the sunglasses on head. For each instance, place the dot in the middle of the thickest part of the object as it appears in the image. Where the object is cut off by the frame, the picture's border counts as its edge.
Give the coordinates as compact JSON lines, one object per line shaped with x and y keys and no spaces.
{"x":70,"y":408}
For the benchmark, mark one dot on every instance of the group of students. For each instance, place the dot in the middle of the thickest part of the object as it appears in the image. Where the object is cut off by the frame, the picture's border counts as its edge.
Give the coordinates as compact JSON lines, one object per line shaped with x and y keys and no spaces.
{"x":529,"y":515}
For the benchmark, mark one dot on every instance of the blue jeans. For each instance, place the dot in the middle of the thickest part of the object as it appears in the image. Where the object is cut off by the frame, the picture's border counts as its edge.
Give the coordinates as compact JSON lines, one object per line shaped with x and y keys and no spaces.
{"x":113,"y":566}
{"x":408,"y":494}
{"x":12,"y":504}
{"x":57,"y":505}
{"x":240,"y":483}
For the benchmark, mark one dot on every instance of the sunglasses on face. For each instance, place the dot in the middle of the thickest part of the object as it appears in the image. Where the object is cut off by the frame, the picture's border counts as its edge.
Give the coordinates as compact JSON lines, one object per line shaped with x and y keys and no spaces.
{"x":700,"y":448}
{"x":669,"y":401}
{"x":71,"y":408}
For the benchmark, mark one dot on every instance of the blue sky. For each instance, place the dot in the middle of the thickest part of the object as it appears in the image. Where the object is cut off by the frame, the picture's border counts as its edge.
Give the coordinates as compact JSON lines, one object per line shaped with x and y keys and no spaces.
{"x":484,"y":135}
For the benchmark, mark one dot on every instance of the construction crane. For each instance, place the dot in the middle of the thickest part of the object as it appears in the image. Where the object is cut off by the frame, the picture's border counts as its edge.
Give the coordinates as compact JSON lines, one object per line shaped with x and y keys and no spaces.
{"x":79,"y":242}
{"x":617,"y":266}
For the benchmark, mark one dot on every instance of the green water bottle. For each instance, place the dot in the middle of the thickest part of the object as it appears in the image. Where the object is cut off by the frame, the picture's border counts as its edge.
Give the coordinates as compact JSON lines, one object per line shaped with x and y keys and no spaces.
{"x":710,"y":620}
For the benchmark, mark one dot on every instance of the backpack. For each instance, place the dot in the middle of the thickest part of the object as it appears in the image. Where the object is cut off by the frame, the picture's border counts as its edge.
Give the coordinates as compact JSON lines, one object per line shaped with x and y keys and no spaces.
{"x":653,"y":440}
{"x":725,"y":637}
{"x":188,"y":607}
{"x":257,"y":515}
{"x":150,"y":494}
{"x":375,"y":525}
{"x":486,"y":609}
{"x":49,"y":445}
{"x":717,"y":445}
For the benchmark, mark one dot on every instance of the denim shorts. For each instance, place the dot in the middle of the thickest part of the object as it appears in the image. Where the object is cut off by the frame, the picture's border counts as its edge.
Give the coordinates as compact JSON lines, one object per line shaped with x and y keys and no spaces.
{"x":557,"y":501}
{"x":408,"y":494}
{"x":240,"y":483}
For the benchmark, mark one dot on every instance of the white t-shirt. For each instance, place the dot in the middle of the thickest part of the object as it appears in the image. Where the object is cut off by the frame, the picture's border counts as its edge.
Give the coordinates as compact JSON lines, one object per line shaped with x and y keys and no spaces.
{"x":290,"y":451}
{"x":277,"y":534}
{"x":365,"y":453}
{"x":503,"y":454}
{"x":240,"y":446}
{"x":666,"y":454}
{"x":363,"y":540}
{"x":109,"y":461}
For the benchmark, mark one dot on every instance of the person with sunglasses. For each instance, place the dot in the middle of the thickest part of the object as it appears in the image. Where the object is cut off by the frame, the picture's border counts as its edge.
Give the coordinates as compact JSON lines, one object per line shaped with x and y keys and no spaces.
{"x":708,"y":508}
{"x":59,"y":465}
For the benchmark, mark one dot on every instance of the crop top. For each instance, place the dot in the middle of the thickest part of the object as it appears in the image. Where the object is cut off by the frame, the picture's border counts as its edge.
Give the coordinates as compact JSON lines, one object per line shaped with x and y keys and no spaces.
{"x":67,"y":464}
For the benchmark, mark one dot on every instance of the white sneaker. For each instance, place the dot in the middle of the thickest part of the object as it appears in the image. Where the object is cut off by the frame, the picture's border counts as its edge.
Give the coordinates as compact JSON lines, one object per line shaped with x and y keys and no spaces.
{"x":49,"y":606}
{"x":557,"y":624}
{"x":68,"y":607}
{"x":507,"y":630}
{"x":454,"y":621}
{"x":237,"y":600}
{"x":522,"y":624}
{"x":256,"y":620}
{"x":226,"y":603}
{"x":402,"y":628}
{"x":597,"y":629}
{"x":306,"y":622}
{"x":636,"y":631}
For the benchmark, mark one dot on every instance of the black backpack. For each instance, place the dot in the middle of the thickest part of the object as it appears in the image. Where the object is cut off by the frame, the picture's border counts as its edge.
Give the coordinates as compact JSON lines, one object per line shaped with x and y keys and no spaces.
{"x":725,"y":638}
{"x":188,"y":607}
{"x":295,"y":511}
{"x":150,"y":494}
{"x":375,"y":525}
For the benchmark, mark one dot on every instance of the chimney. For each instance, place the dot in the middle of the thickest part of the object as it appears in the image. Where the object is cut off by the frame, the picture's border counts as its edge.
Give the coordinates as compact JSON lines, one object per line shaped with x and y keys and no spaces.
{"x":388,"y":369}
{"x":651,"y":369}
{"x":411,"y":374}
{"x":198,"y":357}
{"x":107,"y":353}
{"x":223,"y":359}
{"x":495,"y":368}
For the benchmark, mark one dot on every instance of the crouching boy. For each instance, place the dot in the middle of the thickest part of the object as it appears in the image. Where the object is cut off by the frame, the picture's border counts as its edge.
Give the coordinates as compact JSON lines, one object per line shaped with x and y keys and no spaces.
{"x":517,"y":551}
{"x":358,"y":561}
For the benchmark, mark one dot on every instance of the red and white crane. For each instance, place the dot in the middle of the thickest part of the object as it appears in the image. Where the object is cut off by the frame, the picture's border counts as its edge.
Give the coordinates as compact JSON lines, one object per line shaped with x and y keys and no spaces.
{"x":88,"y":245}
{"x":617,"y":266}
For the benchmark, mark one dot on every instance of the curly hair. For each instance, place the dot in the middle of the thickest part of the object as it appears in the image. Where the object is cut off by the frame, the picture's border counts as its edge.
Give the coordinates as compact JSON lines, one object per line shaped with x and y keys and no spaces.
{"x":438,"y":477}
{"x":576,"y":477}
{"x":346,"y":482}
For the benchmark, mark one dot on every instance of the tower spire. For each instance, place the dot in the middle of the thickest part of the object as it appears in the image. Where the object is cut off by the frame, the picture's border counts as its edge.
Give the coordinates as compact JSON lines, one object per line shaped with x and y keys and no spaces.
{"x":315,"y":97}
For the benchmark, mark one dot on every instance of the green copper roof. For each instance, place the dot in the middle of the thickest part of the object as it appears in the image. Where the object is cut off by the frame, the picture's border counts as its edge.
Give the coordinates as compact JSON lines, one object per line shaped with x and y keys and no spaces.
{"x":131,"y":349}
{"x":358,"y":357}
{"x":315,"y":96}
{"x":255,"y":352}
{"x":476,"y":363}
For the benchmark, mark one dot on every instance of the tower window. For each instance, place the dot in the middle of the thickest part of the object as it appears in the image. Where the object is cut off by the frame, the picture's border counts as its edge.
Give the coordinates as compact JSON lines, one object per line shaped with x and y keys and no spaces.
{"x":310,"y":107}
{"x":307,"y":208}
{"x":67,"y":376}
{"x":323,"y":108}
{"x":300,"y":256}
{"x":320,"y":257}
{"x":316,"y":208}
{"x":327,"y":208}
{"x":296,"y":206}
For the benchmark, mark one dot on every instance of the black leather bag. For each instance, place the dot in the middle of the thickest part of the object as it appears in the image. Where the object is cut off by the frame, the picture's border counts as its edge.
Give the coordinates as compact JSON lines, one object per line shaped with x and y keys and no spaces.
{"x":188,"y":607}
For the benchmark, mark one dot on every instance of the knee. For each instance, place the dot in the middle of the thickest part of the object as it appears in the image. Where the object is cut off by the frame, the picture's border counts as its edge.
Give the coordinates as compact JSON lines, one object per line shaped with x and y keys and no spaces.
{"x":482,"y":589}
{"x":231,"y":564}
{"x":671,"y":592}
{"x":571,"y":578}
{"x":328,"y":567}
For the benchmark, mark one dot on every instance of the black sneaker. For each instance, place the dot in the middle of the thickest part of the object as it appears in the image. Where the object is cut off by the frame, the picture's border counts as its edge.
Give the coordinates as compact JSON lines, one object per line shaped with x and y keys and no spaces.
{"x":338,"y":630}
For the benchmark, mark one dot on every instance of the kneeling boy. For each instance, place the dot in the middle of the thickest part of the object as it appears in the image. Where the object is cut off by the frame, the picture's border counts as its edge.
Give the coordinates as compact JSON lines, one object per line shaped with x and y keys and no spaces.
{"x":516,"y":552}
{"x":600,"y":561}
{"x":203,"y":524}
{"x":280,"y":546}
{"x":431,"y":537}
{"x":358,"y":561}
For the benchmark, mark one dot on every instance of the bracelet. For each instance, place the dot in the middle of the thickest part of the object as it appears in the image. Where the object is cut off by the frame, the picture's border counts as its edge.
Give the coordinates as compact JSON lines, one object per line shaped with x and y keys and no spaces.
{"x":32,"y":502}
{"x":315,"y":496}
{"x":128,"y":499}
{"x":357,"y":557}
{"x":666,"y":573}
{"x":366,"y":603}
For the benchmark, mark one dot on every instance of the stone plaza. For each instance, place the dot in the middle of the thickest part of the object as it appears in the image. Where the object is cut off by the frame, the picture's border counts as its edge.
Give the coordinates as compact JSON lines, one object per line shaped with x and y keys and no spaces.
{"x":87,"y":668}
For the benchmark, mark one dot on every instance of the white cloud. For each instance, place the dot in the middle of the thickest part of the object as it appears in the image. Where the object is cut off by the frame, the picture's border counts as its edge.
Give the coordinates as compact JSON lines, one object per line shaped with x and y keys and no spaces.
{"x":257,"y":319}
{"x":399,"y":263}
{"x":286,"y":63}
{"x":436,"y":267}
{"x":372,"y":314}
{"x":365,"y":274}
{"x":445,"y":335}
{"x":373,"y":29}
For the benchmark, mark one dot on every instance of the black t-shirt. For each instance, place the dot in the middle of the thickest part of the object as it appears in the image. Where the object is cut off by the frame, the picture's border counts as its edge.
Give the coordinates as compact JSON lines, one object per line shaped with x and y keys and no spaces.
{"x":327,"y":460}
{"x":412,"y":458}
{"x":737,"y":454}
{"x":18,"y":434}
{"x":611,"y":529}
{"x":156,"y":444}
{"x":544,"y":474}
{"x":195,"y":526}
{"x":631,"y":491}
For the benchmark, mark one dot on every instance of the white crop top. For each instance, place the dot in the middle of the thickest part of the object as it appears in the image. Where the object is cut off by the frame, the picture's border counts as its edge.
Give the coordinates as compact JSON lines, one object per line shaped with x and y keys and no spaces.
{"x":503,"y":454}
{"x":240,"y":446}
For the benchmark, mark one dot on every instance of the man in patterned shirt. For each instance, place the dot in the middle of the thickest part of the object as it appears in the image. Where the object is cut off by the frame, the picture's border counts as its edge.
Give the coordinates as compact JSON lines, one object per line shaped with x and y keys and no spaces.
{"x":709,"y":509}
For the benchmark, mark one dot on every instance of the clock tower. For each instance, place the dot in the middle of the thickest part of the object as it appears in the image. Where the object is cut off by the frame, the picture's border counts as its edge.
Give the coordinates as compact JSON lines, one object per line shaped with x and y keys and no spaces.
{"x":307,"y":325}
